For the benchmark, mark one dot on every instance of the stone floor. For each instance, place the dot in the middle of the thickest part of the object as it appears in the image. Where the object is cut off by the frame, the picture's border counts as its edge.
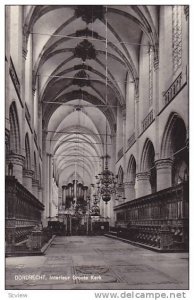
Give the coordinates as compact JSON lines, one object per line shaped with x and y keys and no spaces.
{"x":79,"y":262}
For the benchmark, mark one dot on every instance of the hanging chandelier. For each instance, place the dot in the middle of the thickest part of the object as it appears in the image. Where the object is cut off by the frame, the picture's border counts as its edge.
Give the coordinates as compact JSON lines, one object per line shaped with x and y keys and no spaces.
{"x":106,"y":180}
{"x":106,"y":183}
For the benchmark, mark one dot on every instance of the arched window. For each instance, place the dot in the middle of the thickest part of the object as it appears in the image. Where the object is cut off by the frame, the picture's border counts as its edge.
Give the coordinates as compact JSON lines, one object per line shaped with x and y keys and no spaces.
{"x":27,"y":153}
{"x":14,"y":136}
{"x":120,"y":176}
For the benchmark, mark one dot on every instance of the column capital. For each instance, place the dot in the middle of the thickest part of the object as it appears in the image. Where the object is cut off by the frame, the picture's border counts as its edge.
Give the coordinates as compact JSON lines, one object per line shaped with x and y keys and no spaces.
{"x":16,"y":159}
{"x":163,"y":163}
{"x":28,"y":173}
{"x":35,"y":182}
{"x":143,"y":176}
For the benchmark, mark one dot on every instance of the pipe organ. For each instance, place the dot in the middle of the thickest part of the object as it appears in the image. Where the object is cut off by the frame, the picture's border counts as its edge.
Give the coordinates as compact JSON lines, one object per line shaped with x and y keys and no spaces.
{"x":74,"y":193}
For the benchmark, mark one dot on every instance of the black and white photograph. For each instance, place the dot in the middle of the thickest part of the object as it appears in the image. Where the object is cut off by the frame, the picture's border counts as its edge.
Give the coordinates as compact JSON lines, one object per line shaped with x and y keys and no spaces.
{"x":97,"y":148}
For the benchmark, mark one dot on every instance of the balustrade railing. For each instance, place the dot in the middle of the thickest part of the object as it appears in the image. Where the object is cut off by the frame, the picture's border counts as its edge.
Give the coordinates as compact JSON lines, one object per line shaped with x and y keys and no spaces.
{"x":147,"y":121}
{"x":173,"y":90}
{"x":120,"y":153}
{"x":22,"y":211}
{"x":157,"y":220}
{"x":131,"y":141}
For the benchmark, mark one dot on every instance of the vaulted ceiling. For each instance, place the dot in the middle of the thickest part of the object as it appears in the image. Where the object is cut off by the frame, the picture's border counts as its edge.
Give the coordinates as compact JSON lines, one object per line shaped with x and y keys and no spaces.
{"x":98,"y":44}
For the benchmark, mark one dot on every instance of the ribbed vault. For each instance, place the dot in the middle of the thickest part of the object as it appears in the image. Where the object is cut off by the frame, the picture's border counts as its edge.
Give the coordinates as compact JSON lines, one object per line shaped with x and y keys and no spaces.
{"x":87,"y":40}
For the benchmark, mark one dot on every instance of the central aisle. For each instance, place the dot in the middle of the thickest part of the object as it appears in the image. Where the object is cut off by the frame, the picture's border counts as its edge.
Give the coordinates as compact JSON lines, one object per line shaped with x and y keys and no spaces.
{"x":79,"y":262}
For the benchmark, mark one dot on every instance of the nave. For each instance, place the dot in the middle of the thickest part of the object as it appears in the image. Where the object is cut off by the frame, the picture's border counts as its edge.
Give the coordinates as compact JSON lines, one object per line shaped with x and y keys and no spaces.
{"x":97,"y":146}
{"x":79,"y":262}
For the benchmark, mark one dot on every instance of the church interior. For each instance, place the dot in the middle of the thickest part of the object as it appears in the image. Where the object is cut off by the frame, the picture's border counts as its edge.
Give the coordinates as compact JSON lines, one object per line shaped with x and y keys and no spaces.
{"x":97,"y":144}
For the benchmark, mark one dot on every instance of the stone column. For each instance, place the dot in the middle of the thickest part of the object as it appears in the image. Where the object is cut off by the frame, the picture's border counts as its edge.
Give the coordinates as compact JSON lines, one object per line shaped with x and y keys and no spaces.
{"x":112,"y":166}
{"x":24,"y":55}
{"x":121,"y":192}
{"x":44,"y":180}
{"x":156,"y":105}
{"x":130,"y":107}
{"x":35,"y":187}
{"x":119,"y":131}
{"x":124,"y":148}
{"x":143,"y":184}
{"x":27,"y":179}
{"x":124,"y":127}
{"x":164,"y":173}
{"x":136,"y":99}
{"x":129,"y":190}
{"x":17,"y":161}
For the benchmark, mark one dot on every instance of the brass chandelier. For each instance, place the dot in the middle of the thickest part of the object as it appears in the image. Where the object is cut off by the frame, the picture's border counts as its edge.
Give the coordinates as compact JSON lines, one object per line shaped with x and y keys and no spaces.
{"x":106,"y":183}
{"x":106,"y":180}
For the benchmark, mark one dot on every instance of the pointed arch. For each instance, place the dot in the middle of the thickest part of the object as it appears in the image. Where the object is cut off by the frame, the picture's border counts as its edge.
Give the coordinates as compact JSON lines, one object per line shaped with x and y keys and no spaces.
{"x":148,"y":156}
{"x":78,"y":177}
{"x":120,"y":175}
{"x":174,"y":136}
{"x":174,"y":146}
{"x":131,"y":169}
{"x":148,"y":163}
{"x":14,"y":136}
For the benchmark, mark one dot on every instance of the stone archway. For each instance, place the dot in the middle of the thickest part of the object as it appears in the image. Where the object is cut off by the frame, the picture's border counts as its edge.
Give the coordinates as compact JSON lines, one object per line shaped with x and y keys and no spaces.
{"x":147,"y":177}
{"x":131,"y":177}
{"x":174,"y":149}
